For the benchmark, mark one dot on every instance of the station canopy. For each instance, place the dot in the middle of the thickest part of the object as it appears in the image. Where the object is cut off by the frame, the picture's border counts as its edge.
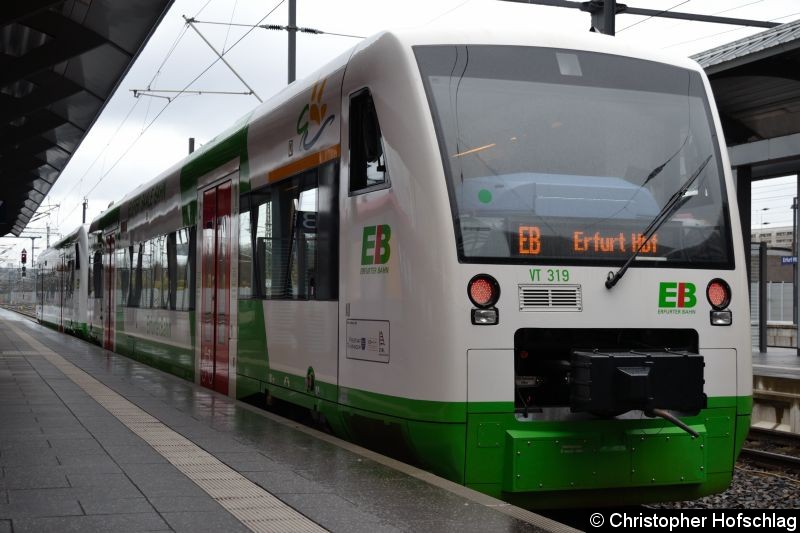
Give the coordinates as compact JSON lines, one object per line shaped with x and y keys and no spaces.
{"x":756,"y":84}
{"x":60,"y":62}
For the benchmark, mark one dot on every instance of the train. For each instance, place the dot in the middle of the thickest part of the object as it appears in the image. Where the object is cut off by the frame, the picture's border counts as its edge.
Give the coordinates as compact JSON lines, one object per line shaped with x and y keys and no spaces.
{"x":513,"y":258}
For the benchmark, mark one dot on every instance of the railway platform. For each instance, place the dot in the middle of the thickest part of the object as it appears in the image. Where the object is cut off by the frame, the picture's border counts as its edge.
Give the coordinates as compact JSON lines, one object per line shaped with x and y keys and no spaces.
{"x":776,"y":362}
{"x":776,"y":390}
{"x":93,"y":441}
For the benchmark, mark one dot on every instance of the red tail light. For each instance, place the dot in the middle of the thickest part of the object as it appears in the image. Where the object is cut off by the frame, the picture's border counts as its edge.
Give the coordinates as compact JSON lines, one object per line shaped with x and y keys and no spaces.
{"x":718,"y":293}
{"x":483,"y":290}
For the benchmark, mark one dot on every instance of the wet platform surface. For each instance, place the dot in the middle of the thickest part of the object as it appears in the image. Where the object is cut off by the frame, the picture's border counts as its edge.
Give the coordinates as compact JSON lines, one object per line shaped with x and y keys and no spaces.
{"x":68,"y":464}
{"x":776,"y":362}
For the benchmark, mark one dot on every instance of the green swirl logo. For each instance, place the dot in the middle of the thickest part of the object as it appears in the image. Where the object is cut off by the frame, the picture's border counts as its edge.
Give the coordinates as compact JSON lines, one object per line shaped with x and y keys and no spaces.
{"x":313,"y":112}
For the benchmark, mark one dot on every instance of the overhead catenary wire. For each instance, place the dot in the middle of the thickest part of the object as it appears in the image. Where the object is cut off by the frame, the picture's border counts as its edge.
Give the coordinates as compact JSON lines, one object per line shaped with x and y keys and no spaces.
{"x":728,"y":31}
{"x":228,"y":33}
{"x":684,"y":22}
{"x":220,"y":56}
{"x":277,"y":27}
{"x":651,"y":16}
{"x":216,"y":60}
{"x":102,"y":152}
{"x":96,"y":159}
{"x":151,"y":92}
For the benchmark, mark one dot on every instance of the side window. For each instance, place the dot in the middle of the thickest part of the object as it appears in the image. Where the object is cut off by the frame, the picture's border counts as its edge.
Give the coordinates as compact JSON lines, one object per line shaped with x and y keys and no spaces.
{"x":69,"y":279}
{"x":123,"y":270}
{"x":90,"y":287}
{"x":135,"y":285}
{"x":184,"y":268}
{"x":294,"y":237}
{"x":172,"y":270}
{"x":97,"y":274}
{"x":158,"y":269}
{"x":367,"y":158}
{"x":147,"y":290}
{"x":245,"y":248}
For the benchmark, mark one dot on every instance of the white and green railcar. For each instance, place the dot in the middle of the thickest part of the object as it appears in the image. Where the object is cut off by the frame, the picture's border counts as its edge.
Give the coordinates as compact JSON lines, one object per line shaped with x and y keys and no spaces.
{"x":424,"y":243}
{"x":61,"y":284}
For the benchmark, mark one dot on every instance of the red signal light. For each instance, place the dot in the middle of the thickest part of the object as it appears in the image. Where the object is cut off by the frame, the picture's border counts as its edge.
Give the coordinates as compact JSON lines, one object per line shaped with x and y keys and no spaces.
{"x":718,"y":293}
{"x":483,"y":290}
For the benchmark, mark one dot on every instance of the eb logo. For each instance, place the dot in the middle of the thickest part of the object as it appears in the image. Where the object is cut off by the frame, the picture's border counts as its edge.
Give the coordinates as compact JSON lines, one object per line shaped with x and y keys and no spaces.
{"x":375,"y":248}
{"x":673,"y":294}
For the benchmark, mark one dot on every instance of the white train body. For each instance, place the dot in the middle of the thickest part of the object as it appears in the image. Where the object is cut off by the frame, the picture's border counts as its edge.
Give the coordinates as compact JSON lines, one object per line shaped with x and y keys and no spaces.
{"x":350,"y":293}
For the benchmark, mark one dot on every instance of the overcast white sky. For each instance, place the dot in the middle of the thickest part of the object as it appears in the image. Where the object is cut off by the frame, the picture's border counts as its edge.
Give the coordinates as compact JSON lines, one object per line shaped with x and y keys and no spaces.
{"x":126,"y":148}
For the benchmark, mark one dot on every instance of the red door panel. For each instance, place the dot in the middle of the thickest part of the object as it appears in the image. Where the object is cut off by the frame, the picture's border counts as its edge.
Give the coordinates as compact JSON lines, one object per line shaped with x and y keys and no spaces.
{"x":109,"y":309}
{"x":208,"y":284}
{"x":215,"y":288}
{"x":223,"y":267}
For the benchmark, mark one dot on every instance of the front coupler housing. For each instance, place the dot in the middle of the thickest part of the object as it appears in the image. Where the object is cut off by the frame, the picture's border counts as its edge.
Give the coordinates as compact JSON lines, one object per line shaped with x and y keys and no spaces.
{"x":611,"y":383}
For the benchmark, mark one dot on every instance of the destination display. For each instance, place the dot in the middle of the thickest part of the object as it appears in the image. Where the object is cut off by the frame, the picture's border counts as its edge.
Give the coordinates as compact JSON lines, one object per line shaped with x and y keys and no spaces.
{"x":531,"y":242}
{"x":533,"y":238}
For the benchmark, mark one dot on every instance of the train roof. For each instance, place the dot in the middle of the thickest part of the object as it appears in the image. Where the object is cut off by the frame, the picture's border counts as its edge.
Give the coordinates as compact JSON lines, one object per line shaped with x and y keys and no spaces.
{"x":517,"y":35}
{"x":68,"y":240}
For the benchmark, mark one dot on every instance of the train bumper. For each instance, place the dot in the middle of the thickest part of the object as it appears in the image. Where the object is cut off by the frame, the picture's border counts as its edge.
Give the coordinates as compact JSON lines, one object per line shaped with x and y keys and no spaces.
{"x":621,"y":461}
{"x":548,"y":461}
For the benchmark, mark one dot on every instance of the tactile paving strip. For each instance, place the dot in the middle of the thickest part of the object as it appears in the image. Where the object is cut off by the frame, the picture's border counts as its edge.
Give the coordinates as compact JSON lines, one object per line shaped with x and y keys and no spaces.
{"x":254,"y":507}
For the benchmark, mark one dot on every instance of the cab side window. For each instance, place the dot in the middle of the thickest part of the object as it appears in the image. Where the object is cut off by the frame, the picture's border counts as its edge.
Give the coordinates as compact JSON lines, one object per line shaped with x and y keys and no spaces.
{"x":367,"y":159}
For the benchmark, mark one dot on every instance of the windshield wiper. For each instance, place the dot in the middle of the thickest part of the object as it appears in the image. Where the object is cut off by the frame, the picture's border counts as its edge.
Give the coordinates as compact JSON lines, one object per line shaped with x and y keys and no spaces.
{"x":674,"y":202}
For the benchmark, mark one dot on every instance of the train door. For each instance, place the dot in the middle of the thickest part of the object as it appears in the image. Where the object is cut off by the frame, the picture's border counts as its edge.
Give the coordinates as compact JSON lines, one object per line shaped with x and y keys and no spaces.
{"x":108,"y":309}
{"x":215,"y":287}
{"x":62,"y":292}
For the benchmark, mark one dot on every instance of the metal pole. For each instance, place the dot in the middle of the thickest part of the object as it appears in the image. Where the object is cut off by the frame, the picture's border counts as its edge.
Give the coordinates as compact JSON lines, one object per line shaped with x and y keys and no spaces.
{"x":85,"y":205}
{"x":794,"y":265}
{"x":191,"y":144}
{"x":292,"y":40}
{"x":609,"y":14}
{"x":796,"y":279}
{"x":762,"y":297}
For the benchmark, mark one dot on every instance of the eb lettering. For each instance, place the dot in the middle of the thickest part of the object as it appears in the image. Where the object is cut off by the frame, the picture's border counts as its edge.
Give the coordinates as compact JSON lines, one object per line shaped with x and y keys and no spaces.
{"x":375,"y":249}
{"x":672,"y":294}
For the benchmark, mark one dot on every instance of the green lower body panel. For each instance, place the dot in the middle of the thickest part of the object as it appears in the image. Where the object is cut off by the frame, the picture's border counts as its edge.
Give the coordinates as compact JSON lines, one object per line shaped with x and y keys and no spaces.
{"x":172,"y":359}
{"x":665,"y":456}
{"x":536,"y":464}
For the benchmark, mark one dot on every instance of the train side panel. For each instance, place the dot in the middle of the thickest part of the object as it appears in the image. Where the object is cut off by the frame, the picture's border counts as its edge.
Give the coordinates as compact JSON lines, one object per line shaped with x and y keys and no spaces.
{"x":288,"y":313}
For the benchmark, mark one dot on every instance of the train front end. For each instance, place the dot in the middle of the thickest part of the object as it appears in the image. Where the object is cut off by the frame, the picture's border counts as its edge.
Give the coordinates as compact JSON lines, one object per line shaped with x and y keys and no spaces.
{"x":601,"y":276}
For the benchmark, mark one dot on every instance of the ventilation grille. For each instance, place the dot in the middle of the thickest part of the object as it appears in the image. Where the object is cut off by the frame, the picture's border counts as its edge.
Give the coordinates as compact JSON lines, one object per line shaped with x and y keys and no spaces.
{"x":550,"y":298}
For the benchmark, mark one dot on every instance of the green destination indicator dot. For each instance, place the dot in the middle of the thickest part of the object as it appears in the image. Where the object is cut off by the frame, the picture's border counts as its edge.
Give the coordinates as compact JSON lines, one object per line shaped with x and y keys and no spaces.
{"x":485,"y":196}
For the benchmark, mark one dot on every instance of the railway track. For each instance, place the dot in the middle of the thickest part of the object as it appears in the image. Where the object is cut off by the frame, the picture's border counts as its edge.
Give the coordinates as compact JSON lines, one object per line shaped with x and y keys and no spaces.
{"x":773,"y":448}
{"x":771,"y":459}
{"x":26,"y":309}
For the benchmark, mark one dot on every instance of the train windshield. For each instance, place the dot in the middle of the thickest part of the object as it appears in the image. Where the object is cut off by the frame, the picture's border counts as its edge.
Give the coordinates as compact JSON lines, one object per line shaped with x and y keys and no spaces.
{"x":565,"y":156}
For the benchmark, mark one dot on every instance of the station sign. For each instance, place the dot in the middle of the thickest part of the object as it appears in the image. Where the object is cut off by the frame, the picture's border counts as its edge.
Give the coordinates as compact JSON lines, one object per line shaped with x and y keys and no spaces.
{"x":789,"y":260}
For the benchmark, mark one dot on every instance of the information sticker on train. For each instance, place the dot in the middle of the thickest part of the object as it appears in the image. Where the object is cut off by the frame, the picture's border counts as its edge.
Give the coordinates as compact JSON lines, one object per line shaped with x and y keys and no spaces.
{"x":368,"y":340}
